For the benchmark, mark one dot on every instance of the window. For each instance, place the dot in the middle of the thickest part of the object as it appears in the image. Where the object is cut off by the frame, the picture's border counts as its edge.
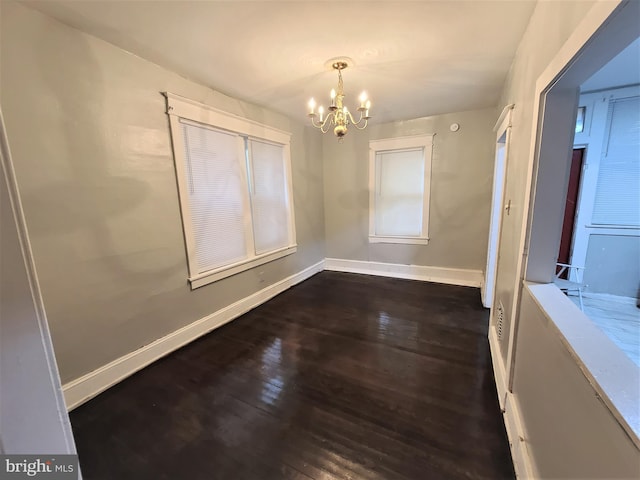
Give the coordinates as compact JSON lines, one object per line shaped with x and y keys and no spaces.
{"x":234,"y":180}
{"x":617,"y":199}
{"x":399,"y":187}
{"x":580,"y":117}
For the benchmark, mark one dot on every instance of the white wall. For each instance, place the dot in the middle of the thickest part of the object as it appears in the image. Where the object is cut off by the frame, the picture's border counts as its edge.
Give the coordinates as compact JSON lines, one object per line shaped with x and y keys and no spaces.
{"x":560,"y":424}
{"x":569,"y":432}
{"x":93,"y":158}
{"x":550,"y":26}
{"x":100,"y":199}
{"x":33,"y":416}
{"x":461,"y":182}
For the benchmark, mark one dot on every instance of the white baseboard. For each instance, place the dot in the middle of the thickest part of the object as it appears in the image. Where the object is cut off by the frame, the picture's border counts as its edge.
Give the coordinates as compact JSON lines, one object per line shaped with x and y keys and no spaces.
{"x":522,"y":464}
{"x":498,"y":367}
{"x":510,"y":413}
{"x":609,"y":298}
{"x":88,"y":386}
{"x":452,"y":276}
{"x":483,"y":295}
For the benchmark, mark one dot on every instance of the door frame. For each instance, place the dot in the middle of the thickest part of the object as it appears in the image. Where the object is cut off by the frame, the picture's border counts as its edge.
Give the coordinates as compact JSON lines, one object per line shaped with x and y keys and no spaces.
{"x":503,"y":139}
{"x":573,"y":220}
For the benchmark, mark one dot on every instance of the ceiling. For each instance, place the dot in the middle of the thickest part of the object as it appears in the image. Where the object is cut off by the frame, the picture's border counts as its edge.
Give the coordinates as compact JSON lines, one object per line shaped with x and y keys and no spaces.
{"x":623,"y":69}
{"x":414,"y":58}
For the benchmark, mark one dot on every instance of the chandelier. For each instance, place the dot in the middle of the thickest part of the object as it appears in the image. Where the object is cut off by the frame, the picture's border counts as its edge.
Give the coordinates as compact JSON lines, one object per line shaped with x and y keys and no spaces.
{"x":338,"y":115}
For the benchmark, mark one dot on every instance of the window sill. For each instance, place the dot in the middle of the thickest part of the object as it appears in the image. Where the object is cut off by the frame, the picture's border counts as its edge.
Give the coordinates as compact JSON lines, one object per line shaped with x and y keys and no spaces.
{"x":211,"y":276}
{"x":403,"y":240}
{"x":613,"y":375}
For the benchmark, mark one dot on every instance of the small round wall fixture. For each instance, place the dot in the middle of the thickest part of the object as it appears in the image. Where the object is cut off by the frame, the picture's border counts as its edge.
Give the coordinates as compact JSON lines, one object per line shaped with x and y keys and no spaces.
{"x":454,"y":127}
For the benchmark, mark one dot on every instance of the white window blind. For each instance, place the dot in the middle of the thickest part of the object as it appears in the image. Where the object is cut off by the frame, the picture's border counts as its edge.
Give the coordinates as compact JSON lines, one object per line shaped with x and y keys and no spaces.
{"x":234,"y":182}
{"x":268,"y":196}
{"x":399,"y":192}
{"x":216,"y":196}
{"x":399,"y":189}
{"x":617,"y":200}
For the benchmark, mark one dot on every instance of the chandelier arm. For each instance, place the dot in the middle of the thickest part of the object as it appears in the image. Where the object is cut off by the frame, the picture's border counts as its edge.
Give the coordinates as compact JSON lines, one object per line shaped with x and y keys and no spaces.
{"x":320,"y":124}
{"x":348,"y":117}
{"x":366,"y":120}
{"x":328,"y":122}
{"x":362,"y":117}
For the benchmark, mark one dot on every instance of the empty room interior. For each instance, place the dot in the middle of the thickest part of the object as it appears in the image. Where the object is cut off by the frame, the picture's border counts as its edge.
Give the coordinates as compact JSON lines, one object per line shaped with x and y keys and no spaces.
{"x":320,"y":240}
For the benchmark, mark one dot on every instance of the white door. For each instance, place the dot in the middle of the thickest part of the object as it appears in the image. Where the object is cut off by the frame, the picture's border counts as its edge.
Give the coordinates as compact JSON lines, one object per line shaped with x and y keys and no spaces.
{"x":503,"y":130}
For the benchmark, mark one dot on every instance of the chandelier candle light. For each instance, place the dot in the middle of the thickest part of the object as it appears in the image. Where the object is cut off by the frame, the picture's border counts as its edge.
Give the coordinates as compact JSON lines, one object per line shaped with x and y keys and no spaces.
{"x":338,"y":114}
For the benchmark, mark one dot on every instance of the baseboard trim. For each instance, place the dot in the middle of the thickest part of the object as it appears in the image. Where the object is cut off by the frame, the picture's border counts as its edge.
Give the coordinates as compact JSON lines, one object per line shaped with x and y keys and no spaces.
{"x":88,"y":386}
{"x":452,"y":276}
{"x":522,"y":464}
{"x":510,"y":413}
{"x":84,"y":388}
{"x":609,"y":298}
{"x":498,"y":368}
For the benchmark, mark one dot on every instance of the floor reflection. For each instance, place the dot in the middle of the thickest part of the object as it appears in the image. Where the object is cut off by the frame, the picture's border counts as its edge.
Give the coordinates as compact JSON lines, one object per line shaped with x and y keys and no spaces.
{"x":343,"y":376}
{"x":618,"y":318}
{"x":273,"y":382}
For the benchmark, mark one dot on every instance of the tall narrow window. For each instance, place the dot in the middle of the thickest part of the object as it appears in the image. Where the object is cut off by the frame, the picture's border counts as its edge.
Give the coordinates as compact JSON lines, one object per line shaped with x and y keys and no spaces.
{"x":268,"y":196}
{"x":399,"y":192}
{"x":399,"y":177}
{"x":617,"y":200}
{"x":234,"y":180}
{"x":217,"y":196}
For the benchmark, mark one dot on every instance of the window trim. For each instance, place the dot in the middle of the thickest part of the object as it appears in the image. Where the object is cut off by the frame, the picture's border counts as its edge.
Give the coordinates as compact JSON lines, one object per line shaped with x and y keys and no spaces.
{"x":424,"y":141}
{"x":183,"y":110}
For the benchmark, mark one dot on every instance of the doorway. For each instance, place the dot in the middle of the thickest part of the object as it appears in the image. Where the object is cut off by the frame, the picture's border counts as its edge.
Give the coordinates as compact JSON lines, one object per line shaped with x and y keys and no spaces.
{"x":571,"y":204}
{"x":503,"y":133}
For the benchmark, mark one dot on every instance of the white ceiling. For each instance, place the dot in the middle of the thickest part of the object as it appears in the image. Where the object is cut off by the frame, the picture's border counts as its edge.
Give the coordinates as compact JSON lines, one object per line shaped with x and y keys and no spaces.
{"x":414,"y":58}
{"x":623,"y":69}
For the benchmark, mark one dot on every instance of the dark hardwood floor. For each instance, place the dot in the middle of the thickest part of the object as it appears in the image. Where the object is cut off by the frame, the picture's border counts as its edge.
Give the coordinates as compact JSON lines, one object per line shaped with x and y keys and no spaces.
{"x":341,"y":377}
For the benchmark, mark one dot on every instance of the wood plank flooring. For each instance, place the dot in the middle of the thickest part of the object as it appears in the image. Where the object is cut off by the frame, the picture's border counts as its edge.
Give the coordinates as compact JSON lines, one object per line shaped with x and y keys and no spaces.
{"x":343,"y":376}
